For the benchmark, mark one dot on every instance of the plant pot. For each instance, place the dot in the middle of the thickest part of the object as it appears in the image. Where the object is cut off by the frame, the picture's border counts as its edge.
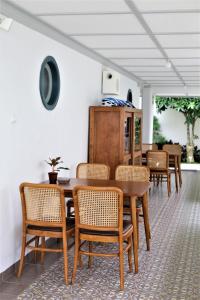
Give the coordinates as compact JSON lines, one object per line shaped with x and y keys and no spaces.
{"x":53,"y":177}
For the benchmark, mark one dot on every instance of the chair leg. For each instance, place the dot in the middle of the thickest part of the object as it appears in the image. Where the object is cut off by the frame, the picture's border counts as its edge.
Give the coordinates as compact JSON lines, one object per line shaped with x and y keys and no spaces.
{"x":76,"y":256}
{"x":43,"y":253}
{"x":21,"y":264}
{"x":90,"y":257}
{"x":121,"y":263}
{"x":168,"y":184}
{"x":138,"y":218}
{"x":65,"y":256}
{"x":130,"y":254}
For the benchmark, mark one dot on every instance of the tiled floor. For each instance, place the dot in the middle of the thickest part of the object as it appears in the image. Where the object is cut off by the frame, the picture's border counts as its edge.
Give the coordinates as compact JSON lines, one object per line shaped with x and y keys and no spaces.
{"x":12,"y":286}
{"x":175,"y":246}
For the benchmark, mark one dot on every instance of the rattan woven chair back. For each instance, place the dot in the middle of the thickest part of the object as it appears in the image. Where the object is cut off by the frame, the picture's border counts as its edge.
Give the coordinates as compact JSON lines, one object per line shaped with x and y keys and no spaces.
{"x":98,"y":207}
{"x":42,"y":203}
{"x":173,"y":149}
{"x":132,"y":173}
{"x":157,"y":160}
{"x":146,"y":147}
{"x":92,"y":171}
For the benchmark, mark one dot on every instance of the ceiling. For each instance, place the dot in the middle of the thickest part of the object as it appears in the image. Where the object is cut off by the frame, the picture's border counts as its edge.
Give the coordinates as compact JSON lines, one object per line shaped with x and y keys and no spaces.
{"x":138,"y":36}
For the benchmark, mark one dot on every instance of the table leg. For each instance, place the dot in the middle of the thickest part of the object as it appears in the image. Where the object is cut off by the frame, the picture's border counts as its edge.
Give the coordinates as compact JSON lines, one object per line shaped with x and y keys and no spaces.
{"x":146,"y":219}
{"x":179,"y":170}
{"x":135,"y":240}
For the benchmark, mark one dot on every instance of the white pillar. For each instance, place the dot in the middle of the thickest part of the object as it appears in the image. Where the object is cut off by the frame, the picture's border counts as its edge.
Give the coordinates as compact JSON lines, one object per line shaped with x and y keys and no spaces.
{"x":147,"y":106}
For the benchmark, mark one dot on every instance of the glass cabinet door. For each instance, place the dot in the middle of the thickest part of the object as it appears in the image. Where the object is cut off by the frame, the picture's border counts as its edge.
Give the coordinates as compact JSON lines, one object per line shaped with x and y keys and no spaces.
{"x":127,"y":135}
{"x":137,"y":132}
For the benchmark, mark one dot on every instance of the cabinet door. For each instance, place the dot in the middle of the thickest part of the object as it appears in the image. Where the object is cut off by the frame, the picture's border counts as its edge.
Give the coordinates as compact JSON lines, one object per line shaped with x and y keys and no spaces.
{"x":137,"y":132}
{"x":128,"y":133}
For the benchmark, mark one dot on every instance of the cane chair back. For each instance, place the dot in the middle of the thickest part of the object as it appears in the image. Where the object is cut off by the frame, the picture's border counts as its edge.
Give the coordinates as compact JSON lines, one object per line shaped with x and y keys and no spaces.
{"x":146,"y":147}
{"x":92,"y":171}
{"x":132,"y":173}
{"x":99,"y":218}
{"x":42,"y":203}
{"x":173,"y":149}
{"x":98,"y":207}
{"x":157,"y":160}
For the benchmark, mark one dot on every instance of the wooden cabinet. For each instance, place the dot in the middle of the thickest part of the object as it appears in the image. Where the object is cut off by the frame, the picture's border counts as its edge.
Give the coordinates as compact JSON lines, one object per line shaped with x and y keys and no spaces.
{"x":115,"y":136}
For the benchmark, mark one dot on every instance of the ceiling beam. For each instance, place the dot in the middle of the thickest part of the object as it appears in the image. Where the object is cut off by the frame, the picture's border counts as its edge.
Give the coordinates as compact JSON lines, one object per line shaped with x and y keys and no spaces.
{"x":97,"y":13}
{"x":23,"y":17}
{"x":133,"y":34}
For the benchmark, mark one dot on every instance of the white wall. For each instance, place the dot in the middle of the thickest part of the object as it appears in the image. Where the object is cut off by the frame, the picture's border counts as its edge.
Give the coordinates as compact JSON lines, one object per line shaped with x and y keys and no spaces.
{"x":37,"y":133}
{"x":173,"y":127}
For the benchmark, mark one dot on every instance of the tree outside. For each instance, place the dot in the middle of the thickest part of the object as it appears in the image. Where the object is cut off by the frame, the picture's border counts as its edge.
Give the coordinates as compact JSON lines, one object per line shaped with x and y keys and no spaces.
{"x":190,"y":108}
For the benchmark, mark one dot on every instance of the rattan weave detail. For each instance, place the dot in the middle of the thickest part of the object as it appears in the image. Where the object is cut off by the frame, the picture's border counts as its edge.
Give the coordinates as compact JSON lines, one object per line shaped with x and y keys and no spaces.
{"x":157,"y":160}
{"x":93,"y":171}
{"x":172,"y":149}
{"x":43,"y":204}
{"x":98,"y":208}
{"x":132,"y":173}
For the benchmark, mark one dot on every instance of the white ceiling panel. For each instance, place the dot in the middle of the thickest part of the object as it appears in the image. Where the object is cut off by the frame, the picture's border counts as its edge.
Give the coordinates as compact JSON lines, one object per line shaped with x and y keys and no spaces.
{"x":131,"y":53}
{"x":139,"y":62}
{"x":147,"y":68}
{"x":111,"y":29}
{"x":95,"y":24}
{"x":197,"y":73}
{"x":183,"y":68}
{"x":187,"y":61}
{"x":154,"y":74}
{"x":185,"y":40}
{"x":71,"y":6}
{"x":170,"y":78}
{"x":155,"y":5}
{"x":189,"y":22}
{"x":118,"y":41}
{"x":183,"y":52}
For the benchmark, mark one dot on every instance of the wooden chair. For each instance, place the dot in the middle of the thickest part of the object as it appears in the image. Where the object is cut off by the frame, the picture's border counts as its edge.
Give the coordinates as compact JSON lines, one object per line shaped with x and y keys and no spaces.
{"x":145,"y":148}
{"x":136,"y":173}
{"x":158,"y":163}
{"x":44,"y":215}
{"x":89,"y":171}
{"x":99,"y":218}
{"x":175,"y":151}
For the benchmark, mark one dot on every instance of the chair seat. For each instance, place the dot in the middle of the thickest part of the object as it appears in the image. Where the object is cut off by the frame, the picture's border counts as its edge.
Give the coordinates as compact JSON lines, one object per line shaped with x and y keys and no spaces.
{"x":126,"y":226}
{"x":70,"y":223}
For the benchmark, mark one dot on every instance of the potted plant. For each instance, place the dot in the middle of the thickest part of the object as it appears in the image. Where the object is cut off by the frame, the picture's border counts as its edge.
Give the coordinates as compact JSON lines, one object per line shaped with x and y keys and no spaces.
{"x":53,"y":162}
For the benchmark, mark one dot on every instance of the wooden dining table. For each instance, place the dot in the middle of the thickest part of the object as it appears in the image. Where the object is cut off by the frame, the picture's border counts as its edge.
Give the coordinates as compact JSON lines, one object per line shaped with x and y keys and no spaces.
{"x":132,"y":190}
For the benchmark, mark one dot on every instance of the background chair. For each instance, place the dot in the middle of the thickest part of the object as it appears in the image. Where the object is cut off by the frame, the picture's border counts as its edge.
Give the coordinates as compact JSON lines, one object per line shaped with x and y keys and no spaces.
{"x":99,"y":218}
{"x":89,"y":171}
{"x":158,"y":163}
{"x":175,"y":152}
{"x":136,"y":173}
{"x":44,"y":215}
{"x":145,"y":148}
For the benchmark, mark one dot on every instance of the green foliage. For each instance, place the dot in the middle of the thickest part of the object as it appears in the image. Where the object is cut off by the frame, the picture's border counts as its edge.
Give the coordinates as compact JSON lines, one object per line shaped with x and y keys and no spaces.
{"x":158,"y":138}
{"x":189,"y":107}
{"x":53,"y":162}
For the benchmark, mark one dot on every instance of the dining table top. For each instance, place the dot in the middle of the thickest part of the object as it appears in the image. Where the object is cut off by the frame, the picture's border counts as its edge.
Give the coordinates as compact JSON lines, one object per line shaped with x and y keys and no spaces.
{"x":129,"y":188}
